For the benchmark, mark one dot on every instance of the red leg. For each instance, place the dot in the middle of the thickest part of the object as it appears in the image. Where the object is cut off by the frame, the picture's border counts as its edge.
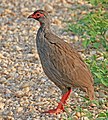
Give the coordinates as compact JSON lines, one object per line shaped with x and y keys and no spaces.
{"x":60,"y":106}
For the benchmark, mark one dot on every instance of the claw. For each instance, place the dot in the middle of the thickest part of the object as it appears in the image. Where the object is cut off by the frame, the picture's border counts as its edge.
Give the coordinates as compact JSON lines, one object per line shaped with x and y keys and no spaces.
{"x":60,"y":106}
{"x":54,"y":111}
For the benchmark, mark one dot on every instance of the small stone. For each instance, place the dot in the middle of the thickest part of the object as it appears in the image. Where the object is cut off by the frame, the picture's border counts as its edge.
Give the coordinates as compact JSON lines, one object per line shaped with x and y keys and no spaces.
{"x":75,"y":118}
{"x":0,"y":37}
{"x":76,"y":38}
{"x":101,"y":100}
{"x":93,"y":52}
{"x":104,"y":107}
{"x":69,"y":110}
{"x":9,"y":118}
{"x":1,"y":56}
{"x":81,"y":2}
{"x":101,"y":93}
{"x":8,"y":11}
{"x":48,"y":8}
{"x":106,"y":104}
{"x":97,"y":94}
{"x":63,"y":1}
{"x":19,"y":93}
{"x":18,"y":48}
{"x":57,"y":22}
{"x":1,"y":117}
{"x":10,"y":113}
{"x":93,"y":105}
{"x":72,"y":14}
{"x":84,"y":118}
{"x":24,"y":85}
{"x":3,"y":80}
{"x":19,"y":109}
{"x":38,"y":70}
{"x":26,"y":89}
{"x":84,"y":12}
{"x":34,"y":28}
{"x":1,"y":99}
{"x":100,"y":58}
{"x":78,"y":114}
{"x":2,"y":105}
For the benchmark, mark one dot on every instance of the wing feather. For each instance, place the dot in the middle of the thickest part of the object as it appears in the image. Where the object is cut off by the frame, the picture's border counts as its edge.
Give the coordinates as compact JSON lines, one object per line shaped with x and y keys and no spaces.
{"x":68,"y":62}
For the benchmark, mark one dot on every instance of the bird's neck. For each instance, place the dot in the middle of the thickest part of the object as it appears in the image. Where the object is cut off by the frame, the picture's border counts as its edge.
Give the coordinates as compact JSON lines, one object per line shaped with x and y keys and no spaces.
{"x":45,"y":28}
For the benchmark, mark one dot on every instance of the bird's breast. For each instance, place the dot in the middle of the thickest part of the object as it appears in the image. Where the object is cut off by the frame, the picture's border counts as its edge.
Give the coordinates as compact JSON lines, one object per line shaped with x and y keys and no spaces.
{"x":42,"y":47}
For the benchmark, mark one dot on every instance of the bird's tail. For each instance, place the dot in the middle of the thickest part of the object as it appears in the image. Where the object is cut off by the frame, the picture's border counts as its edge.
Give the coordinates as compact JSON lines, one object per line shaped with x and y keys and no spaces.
{"x":90,"y":92}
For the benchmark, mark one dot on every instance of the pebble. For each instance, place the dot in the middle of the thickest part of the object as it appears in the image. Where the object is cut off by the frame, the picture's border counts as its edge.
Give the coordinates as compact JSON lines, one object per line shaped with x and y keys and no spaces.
{"x":84,"y":118}
{"x":48,"y":8}
{"x":19,"y":93}
{"x":19,"y":109}
{"x":78,"y":114}
{"x":18,"y":48}
{"x":1,"y":99}
{"x":3,"y":80}
{"x":101,"y":94}
{"x":93,"y":105}
{"x":25,"y":84}
{"x":1,"y":118}
{"x":1,"y":56}
{"x":100,"y":58}
{"x":97,"y":94}
{"x":57,"y":22}
{"x":104,"y":107}
{"x":26,"y":89}
{"x":93,"y":52}
{"x":75,"y":118}
{"x":2,"y":105}
{"x":76,"y":38}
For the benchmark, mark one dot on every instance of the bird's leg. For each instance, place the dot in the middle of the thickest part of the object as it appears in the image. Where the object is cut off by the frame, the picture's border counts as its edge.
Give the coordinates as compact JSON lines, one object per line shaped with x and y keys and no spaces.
{"x":60,"y":106}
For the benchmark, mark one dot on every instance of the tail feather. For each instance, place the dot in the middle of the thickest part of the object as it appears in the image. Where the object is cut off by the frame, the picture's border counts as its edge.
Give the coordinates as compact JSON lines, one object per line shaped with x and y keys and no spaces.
{"x":90,"y":92}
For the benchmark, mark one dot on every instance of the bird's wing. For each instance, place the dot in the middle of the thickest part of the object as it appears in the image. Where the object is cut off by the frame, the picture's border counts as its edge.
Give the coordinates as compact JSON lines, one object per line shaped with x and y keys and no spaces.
{"x":68,"y":62}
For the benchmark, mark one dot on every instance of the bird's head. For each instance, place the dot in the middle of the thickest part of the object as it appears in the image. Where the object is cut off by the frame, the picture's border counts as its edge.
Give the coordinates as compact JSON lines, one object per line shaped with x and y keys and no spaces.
{"x":39,"y":15}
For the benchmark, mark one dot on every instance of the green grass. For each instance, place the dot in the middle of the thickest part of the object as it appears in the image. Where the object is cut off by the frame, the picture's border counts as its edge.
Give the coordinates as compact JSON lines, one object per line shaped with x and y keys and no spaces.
{"x":99,"y":69}
{"x":92,"y":28}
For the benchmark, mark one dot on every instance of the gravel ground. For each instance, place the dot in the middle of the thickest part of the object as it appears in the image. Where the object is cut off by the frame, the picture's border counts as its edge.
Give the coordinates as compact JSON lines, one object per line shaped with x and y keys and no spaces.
{"x":25,"y":91}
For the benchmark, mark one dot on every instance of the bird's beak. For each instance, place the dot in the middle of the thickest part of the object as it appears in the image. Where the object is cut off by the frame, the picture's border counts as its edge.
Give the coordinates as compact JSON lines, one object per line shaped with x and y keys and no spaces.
{"x":30,"y":16}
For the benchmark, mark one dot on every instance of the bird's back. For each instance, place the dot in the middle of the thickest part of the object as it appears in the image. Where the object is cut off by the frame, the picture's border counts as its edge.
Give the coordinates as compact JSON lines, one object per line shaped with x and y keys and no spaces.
{"x":62,"y":64}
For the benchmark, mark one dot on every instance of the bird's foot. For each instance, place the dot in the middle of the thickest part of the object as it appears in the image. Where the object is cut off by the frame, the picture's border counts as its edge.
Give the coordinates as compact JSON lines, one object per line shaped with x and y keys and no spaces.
{"x":58,"y":110}
{"x":60,"y":106}
{"x":54,"y":111}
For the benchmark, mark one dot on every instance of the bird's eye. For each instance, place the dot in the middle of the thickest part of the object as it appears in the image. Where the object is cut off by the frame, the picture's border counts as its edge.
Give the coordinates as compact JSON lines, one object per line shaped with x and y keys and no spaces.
{"x":38,"y":14}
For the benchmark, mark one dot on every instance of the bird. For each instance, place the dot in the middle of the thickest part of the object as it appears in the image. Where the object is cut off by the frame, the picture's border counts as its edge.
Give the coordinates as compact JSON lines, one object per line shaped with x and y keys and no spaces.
{"x":61,"y":63}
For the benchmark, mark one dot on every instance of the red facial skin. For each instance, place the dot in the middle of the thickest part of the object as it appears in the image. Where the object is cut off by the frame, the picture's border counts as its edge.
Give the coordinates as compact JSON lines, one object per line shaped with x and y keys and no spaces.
{"x":36,"y":16}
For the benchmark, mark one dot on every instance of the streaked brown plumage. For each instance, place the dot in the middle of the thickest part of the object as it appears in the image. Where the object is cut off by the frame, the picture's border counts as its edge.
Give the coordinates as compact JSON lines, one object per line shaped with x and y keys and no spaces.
{"x":61,"y":63}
